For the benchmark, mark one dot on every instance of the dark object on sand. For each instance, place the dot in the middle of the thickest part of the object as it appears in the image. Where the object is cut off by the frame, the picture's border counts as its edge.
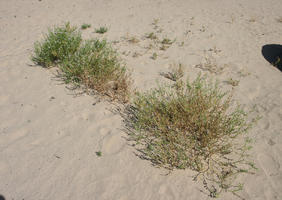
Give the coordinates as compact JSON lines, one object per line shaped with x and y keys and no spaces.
{"x":273,"y":54}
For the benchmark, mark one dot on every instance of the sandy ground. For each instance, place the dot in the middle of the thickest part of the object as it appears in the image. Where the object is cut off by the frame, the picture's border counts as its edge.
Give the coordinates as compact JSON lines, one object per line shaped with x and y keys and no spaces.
{"x":49,"y":136}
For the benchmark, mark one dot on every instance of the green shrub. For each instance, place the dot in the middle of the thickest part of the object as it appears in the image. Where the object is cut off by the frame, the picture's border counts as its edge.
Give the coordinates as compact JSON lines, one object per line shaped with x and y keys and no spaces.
{"x":96,"y":65}
{"x":192,"y":125}
{"x":85,"y":26}
{"x":101,"y":30}
{"x":58,"y":44}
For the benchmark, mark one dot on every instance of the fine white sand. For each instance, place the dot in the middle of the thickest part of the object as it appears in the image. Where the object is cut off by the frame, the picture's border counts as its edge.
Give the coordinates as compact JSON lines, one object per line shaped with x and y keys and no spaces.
{"x":49,"y":135}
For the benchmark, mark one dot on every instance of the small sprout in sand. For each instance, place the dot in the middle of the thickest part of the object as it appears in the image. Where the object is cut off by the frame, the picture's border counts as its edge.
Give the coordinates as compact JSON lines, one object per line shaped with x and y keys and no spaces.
{"x":232,"y":82}
{"x":85,"y":26}
{"x":151,"y":36}
{"x":133,"y":40}
{"x":154,"y":56}
{"x":99,"y":153}
{"x":167,"y":41}
{"x":101,"y":30}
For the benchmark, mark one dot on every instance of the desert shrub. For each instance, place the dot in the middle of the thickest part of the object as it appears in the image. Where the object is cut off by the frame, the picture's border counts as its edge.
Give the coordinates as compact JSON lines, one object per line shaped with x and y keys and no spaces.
{"x":97,"y":66}
{"x":101,"y":30}
{"x":59,"y":43}
{"x":85,"y":26}
{"x":192,"y":125}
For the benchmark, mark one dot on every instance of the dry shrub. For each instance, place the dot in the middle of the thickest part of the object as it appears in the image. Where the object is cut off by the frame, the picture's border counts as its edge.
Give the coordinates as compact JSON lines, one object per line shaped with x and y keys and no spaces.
{"x":97,"y":66}
{"x":192,"y":125}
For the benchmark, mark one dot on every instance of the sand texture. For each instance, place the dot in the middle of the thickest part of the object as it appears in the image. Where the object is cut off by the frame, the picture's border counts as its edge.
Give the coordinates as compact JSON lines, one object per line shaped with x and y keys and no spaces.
{"x":49,"y":134}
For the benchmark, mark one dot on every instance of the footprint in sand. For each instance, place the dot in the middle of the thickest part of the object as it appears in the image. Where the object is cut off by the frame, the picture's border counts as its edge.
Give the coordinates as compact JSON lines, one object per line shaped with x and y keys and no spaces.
{"x":112,"y":144}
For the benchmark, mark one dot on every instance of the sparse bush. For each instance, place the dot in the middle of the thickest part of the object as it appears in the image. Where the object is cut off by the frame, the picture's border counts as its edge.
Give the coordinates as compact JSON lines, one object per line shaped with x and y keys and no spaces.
{"x":85,"y":26}
{"x":101,"y":30}
{"x":58,"y":44}
{"x":192,"y":126}
{"x":96,"y":65}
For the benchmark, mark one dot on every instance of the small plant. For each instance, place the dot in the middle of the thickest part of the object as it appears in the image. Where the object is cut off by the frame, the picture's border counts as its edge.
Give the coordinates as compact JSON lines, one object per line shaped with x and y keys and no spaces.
{"x":101,"y":30}
{"x":85,"y":26}
{"x":96,"y":66}
{"x":133,"y":40}
{"x":99,"y":153}
{"x":175,"y":74}
{"x":154,"y":56}
{"x":167,"y":41}
{"x":232,"y":82}
{"x":151,"y":36}
{"x":192,"y":125}
{"x":211,"y":65}
{"x":58,"y":44}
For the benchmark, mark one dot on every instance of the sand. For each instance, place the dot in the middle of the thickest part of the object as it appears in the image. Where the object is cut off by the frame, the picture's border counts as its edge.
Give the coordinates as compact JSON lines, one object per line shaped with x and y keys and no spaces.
{"x":49,"y":135}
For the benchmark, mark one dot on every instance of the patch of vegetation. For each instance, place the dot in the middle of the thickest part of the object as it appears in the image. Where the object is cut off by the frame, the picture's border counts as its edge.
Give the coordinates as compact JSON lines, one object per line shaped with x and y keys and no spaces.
{"x":193,"y":125}
{"x":232,"y":82}
{"x":59,"y":44}
{"x":92,"y":64}
{"x":96,"y":65}
{"x":152,"y":36}
{"x":167,"y":41}
{"x":101,"y":30}
{"x":99,"y":153}
{"x":154,"y":56}
{"x":175,"y":74}
{"x":85,"y":26}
